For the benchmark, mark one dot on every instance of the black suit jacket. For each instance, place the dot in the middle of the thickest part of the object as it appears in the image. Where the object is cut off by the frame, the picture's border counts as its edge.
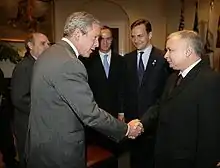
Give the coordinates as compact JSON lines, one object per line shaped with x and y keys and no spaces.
{"x":107,"y":91}
{"x":21,"y":99}
{"x":139,"y":99}
{"x":62,"y":104}
{"x":189,"y":128}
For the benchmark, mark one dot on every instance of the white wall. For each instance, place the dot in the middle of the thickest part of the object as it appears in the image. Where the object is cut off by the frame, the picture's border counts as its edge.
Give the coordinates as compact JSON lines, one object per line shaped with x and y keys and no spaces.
{"x":119,"y":13}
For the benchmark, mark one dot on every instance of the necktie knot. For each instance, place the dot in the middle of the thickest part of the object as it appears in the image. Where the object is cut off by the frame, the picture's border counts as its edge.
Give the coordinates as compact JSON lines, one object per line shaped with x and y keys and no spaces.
{"x":141,"y":53}
{"x":179,"y":79}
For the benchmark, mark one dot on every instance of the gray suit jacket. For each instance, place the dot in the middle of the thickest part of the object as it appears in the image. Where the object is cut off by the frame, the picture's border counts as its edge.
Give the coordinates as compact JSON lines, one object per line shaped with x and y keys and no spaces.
{"x":61,"y":105}
{"x":21,"y":100}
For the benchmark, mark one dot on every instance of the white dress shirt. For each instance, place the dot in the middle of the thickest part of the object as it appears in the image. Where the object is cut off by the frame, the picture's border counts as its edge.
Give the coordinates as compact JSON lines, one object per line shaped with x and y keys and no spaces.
{"x":145,"y":56}
{"x":71,"y":45}
{"x":186,"y":71}
{"x":108,"y":58}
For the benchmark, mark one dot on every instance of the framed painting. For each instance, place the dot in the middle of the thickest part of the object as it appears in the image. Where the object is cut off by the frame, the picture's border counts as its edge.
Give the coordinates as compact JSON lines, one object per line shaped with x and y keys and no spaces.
{"x":22,"y":17}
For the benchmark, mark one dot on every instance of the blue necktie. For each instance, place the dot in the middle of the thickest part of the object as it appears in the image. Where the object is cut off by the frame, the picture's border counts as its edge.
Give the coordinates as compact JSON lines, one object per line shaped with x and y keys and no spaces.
{"x":140,"y":68}
{"x":106,"y":65}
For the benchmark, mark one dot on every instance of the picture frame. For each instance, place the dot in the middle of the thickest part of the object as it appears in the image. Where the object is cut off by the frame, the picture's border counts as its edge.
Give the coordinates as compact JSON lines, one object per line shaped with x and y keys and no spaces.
{"x":22,"y":18}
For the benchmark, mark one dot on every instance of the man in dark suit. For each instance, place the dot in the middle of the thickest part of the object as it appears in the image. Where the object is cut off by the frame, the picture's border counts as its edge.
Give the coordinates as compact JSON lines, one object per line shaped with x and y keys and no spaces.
{"x":188,"y":133}
{"x":145,"y":74}
{"x":105,"y":67}
{"x":35,"y":44}
{"x":62,"y":103}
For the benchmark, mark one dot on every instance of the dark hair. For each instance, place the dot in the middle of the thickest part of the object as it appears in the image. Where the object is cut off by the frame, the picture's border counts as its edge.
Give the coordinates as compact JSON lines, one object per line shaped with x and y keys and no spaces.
{"x":144,"y":22}
{"x":113,"y":41}
{"x":103,"y":28}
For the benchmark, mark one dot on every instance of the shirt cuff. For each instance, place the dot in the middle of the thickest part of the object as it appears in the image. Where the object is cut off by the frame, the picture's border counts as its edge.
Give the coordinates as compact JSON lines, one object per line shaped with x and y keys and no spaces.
{"x":128,"y":130}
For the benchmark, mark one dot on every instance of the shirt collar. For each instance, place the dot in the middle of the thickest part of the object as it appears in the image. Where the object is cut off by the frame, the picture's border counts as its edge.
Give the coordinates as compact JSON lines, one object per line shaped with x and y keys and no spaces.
{"x":108,"y":58}
{"x":71,"y":45}
{"x":186,"y":71}
{"x":34,"y":57}
{"x":108,"y":53}
{"x":146,"y":50}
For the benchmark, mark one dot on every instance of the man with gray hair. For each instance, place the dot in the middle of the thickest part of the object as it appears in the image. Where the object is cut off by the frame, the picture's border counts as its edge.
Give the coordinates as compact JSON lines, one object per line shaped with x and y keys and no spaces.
{"x":188,"y":114}
{"x":62,"y":102}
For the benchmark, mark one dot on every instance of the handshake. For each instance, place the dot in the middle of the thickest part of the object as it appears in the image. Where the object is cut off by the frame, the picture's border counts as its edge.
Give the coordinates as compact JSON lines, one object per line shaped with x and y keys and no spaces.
{"x":135,"y":128}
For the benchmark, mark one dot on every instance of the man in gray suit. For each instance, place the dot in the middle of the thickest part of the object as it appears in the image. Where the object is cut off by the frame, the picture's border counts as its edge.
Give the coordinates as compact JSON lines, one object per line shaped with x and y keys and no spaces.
{"x":62,"y":102}
{"x":35,"y":44}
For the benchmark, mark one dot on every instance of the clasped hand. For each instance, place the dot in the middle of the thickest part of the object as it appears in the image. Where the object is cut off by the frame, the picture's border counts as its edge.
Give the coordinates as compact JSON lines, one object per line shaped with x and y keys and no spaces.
{"x":135,"y":129}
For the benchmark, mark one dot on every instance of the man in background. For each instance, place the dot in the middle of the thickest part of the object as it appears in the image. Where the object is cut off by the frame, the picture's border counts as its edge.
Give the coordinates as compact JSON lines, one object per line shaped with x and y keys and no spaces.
{"x":146,"y":72}
{"x":187,"y":115}
{"x":35,"y":44}
{"x":106,"y":66}
{"x":105,"y":77}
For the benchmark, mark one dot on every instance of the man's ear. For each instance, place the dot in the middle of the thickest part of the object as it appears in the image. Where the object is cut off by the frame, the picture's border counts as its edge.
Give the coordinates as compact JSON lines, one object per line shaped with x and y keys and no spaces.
{"x":76,"y":34}
{"x":30,"y":45}
{"x":150,"y":35}
{"x":188,"y":51}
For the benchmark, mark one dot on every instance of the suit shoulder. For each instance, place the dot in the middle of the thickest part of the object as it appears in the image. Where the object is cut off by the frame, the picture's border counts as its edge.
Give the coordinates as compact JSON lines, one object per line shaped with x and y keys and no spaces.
{"x":116,"y":55}
{"x":158,"y":53}
{"x":25,"y":63}
{"x":130,"y":55}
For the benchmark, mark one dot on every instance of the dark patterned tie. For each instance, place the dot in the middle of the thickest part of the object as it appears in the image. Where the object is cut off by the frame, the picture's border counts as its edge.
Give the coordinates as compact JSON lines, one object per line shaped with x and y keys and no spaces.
{"x":177,"y":83}
{"x":178,"y":80}
{"x":140,"y":68}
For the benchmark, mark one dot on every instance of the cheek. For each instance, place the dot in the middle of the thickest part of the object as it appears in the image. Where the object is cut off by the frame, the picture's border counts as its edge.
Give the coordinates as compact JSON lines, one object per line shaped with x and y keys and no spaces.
{"x":133,"y":40}
{"x":102,"y":44}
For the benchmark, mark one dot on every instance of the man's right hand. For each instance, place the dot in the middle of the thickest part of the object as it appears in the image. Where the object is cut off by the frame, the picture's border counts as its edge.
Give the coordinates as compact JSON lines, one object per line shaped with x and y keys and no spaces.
{"x":135,"y":129}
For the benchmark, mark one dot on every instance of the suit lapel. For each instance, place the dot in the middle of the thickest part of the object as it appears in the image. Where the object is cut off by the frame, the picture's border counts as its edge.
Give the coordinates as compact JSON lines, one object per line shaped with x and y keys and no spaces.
{"x":112,"y":67}
{"x":134,"y":68}
{"x":185,"y":81}
{"x":150,"y":66}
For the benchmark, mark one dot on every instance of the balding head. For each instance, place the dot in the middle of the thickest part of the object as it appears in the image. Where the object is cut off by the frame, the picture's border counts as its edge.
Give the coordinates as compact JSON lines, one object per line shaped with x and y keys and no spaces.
{"x":36,"y":43}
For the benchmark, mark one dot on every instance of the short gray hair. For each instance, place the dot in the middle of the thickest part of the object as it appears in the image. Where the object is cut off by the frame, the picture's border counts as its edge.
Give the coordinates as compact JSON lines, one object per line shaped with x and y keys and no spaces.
{"x":80,"y":20}
{"x":194,"y":39}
